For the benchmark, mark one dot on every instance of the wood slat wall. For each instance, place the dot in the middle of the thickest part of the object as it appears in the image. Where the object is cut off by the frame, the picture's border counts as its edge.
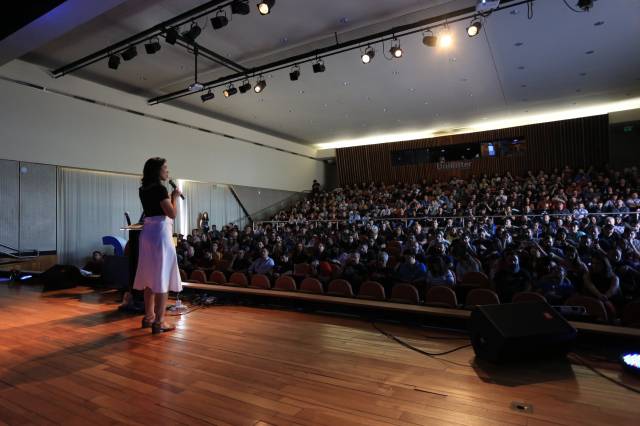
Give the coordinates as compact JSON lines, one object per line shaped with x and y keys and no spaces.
{"x":578,"y":142}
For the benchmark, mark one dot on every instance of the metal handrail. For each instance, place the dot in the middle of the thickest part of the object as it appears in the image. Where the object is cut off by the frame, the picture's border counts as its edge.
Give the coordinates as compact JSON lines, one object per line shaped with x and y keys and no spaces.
{"x":422,"y":218}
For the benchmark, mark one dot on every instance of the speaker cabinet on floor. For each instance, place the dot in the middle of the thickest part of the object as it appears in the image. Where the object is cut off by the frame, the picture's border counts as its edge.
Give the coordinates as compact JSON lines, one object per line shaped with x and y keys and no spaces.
{"x":518,"y":331}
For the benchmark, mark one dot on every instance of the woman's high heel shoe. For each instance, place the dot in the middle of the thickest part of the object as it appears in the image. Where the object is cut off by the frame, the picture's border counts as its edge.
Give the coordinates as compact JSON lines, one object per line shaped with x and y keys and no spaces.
{"x":158,"y":328}
{"x":146,"y":324}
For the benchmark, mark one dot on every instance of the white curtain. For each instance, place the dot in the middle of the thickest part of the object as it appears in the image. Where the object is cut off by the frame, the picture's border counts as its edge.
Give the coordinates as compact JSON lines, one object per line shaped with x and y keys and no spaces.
{"x":217,"y":200}
{"x":90,"y":206}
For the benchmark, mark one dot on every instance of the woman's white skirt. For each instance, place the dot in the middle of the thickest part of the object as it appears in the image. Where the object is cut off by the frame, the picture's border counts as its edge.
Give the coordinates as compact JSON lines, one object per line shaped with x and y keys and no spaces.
{"x":157,"y":262}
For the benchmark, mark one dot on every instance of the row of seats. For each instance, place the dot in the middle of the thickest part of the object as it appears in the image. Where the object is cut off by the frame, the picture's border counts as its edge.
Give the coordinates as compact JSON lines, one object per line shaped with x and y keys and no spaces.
{"x":439,"y":296}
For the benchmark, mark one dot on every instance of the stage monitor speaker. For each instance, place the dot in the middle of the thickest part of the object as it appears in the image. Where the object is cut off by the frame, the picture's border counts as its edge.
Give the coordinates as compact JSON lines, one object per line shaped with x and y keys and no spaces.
{"x":59,"y":277}
{"x":518,"y":331}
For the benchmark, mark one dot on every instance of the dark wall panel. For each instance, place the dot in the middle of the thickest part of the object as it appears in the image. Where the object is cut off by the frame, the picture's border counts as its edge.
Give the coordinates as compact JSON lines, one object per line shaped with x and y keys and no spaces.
{"x":580,"y":142}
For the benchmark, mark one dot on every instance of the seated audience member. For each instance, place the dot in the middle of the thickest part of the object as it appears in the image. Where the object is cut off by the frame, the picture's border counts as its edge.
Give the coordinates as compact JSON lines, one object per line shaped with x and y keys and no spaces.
{"x":354,"y":271}
{"x":95,"y":264}
{"x":284,"y":266}
{"x":381,"y":272}
{"x":206,"y":261}
{"x":299,"y":254}
{"x":438,"y":273}
{"x":554,"y":284}
{"x":511,"y":279}
{"x":574,"y":267}
{"x":410,"y":270}
{"x":240,"y":262}
{"x":601,"y":282}
{"x":464,"y":260}
{"x":262,"y":265}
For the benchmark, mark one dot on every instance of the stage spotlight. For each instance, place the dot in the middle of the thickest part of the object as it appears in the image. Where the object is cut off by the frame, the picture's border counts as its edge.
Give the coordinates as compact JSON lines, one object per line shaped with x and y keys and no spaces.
{"x":152,"y":47}
{"x":207,"y":96}
{"x":294,"y":75}
{"x":428,"y":39}
{"x":130,"y":53}
{"x":474,"y":29}
{"x":318,"y":66}
{"x":265,"y":6}
{"x":396,"y":50}
{"x":240,"y":7}
{"x":219,"y":21}
{"x":171,"y":36}
{"x":246,"y":86}
{"x":114,"y":62}
{"x":368,"y":55}
{"x":585,"y":4}
{"x":193,"y":32}
{"x":445,"y":40}
{"x":260,"y":85}
{"x":230,"y":91}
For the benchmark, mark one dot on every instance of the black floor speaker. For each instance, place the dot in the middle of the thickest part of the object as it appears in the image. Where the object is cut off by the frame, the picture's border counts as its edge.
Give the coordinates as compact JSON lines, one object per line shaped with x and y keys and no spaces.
{"x":60,"y":277}
{"x":520,"y":331}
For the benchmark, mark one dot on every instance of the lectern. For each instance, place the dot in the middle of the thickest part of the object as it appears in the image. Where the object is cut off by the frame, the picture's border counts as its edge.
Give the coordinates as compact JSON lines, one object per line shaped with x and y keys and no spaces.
{"x":136,"y":301}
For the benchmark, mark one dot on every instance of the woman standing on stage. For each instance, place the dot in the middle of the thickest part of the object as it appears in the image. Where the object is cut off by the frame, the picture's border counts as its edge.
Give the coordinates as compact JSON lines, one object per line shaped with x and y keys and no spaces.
{"x":157,"y":272}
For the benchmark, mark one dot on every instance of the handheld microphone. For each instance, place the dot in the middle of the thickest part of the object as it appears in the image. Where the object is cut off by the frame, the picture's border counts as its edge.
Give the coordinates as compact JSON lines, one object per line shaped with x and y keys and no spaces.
{"x":126,"y":216}
{"x":174,"y":186}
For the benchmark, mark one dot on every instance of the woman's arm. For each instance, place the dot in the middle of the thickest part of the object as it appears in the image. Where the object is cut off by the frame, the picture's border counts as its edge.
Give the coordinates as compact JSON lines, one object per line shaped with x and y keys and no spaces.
{"x":588,"y":284}
{"x":170,"y":206}
{"x":615,"y":286}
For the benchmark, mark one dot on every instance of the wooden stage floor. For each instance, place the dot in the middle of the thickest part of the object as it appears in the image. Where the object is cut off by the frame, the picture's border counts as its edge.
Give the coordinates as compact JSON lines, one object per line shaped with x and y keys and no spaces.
{"x":70,"y":358}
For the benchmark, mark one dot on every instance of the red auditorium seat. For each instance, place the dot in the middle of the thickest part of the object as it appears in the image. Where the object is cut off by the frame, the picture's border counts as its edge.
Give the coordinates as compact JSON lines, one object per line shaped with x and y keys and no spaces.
{"x":183,"y":275}
{"x":340,"y":287}
{"x":631,"y":314}
{"x":371,"y":290}
{"x":475,"y":279}
{"x":405,"y":293}
{"x":286,"y":283}
{"x":311,"y":285}
{"x":198,"y":276}
{"x":260,"y":281}
{"x":595,"y":308}
{"x":482,"y":296}
{"x":217,"y":277}
{"x":223,"y":265}
{"x":301,"y":269}
{"x":528,"y":296}
{"x":238,"y":279}
{"x":441,"y":296}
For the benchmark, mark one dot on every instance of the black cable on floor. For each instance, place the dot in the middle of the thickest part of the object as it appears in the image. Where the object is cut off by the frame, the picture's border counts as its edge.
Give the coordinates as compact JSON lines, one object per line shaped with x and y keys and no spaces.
{"x":413,"y":348}
{"x":582,"y":361}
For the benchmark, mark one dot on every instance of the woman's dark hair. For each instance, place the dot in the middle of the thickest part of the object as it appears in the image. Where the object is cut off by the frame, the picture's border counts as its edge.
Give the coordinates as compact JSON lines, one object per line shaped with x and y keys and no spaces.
{"x":151,"y":171}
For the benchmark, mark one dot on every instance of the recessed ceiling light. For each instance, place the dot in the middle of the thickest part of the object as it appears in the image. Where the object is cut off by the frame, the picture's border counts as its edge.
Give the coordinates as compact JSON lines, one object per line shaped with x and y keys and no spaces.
{"x":589,"y":52}
{"x":452,"y":59}
{"x":300,"y":92}
{"x":384,"y":109}
{"x":346,"y":83}
{"x":344,"y":20}
{"x":464,"y":79}
{"x":578,"y":90}
{"x":325,"y":105}
{"x":524,"y":99}
{"x":598,"y":23}
{"x":514,"y":11}
{"x":284,"y":40}
{"x":582,"y":74}
{"x":396,"y":73}
{"x":412,"y":89}
{"x":521,"y":67}
{"x":523,"y":85}
{"x":426,"y":102}
{"x":518,"y":44}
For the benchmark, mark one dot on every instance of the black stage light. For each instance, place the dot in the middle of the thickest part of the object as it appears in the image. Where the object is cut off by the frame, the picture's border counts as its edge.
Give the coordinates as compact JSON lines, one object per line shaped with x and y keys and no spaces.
{"x":114,"y":62}
{"x":219,"y":21}
{"x":193,"y":32}
{"x":585,"y":4}
{"x":429,"y":39}
{"x":152,"y":47}
{"x":318,"y":67}
{"x":474,"y":29}
{"x":207,"y":96}
{"x":229,"y":91}
{"x":368,"y":55}
{"x":171,"y":36}
{"x":294,"y":75}
{"x":265,"y":6}
{"x":240,"y":7}
{"x":396,"y":50}
{"x":130,"y":53}
{"x":245,"y":87}
{"x":260,"y":85}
